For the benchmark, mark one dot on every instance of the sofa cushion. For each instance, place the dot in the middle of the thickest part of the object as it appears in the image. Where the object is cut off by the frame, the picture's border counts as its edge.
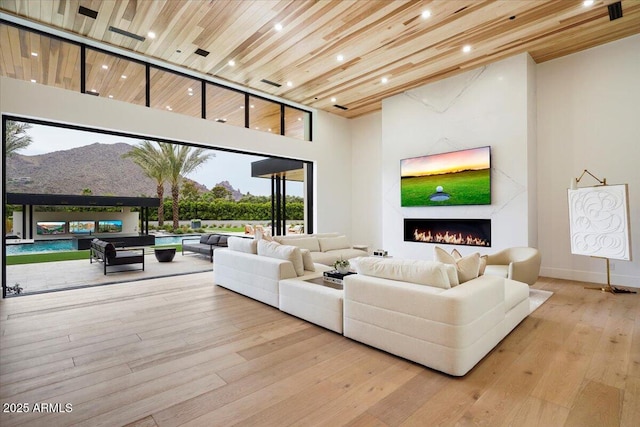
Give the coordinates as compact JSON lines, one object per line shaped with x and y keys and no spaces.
{"x":307,"y":261}
{"x":333,"y":243}
{"x":241,"y":244}
{"x":310,"y":243}
{"x":223,"y":241}
{"x":468,"y":267}
{"x":204,"y":238}
{"x":285,"y":252}
{"x":428,"y":273}
{"x":213,"y":239}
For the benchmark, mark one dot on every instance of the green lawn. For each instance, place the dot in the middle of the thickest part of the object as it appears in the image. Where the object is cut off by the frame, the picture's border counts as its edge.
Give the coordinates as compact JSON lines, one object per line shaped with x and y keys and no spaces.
{"x":465,"y":188}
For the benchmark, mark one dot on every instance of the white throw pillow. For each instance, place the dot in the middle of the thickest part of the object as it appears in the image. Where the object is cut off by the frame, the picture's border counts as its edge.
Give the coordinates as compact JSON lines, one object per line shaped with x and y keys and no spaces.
{"x":428,"y":273}
{"x":483,"y":265}
{"x":333,"y":243}
{"x":310,"y":243}
{"x":452,"y":273}
{"x":307,"y":261}
{"x":285,"y":252}
{"x":241,"y":244}
{"x":468,"y":267}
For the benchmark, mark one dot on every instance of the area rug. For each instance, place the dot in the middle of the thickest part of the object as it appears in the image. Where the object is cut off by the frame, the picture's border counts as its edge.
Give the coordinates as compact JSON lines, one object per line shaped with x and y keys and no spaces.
{"x":537,"y":297}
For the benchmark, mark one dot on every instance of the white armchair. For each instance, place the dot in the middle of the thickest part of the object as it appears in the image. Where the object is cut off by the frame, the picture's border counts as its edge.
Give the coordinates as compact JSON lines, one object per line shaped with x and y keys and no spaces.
{"x":521,"y":264}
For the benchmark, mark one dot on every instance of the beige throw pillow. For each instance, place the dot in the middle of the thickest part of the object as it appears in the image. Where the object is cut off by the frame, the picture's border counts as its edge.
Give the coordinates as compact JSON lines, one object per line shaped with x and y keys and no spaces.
{"x":468,"y":267}
{"x":287,"y":253}
{"x":333,"y":243}
{"x":483,"y":264}
{"x":307,"y":261}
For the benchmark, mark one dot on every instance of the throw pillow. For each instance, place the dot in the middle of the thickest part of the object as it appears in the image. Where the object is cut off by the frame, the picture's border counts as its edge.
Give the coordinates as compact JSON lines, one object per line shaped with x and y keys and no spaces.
{"x":455,"y":254}
{"x":333,"y":243}
{"x":483,"y":264}
{"x":240,"y":244}
{"x":468,"y":267}
{"x":285,"y":252}
{"x":307,"y":261}
{"x":310,"y":243}
{"x":213,"y":239}
{"x":452,"y":273}
{"x":204,"y":238}
{"x":428,"y":273}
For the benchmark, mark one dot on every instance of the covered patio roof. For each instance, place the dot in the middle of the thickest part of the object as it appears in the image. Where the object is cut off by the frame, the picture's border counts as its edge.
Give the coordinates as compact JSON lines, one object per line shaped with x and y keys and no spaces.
{"x":76,"y":200}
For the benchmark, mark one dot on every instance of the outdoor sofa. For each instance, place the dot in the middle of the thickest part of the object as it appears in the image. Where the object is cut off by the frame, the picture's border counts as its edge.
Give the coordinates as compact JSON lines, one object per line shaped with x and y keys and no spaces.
{"x":204,"y":245}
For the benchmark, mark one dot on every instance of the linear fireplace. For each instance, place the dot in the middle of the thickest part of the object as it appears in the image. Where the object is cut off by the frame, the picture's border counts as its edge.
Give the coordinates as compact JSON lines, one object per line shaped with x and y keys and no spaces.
{"x":468,"y":232}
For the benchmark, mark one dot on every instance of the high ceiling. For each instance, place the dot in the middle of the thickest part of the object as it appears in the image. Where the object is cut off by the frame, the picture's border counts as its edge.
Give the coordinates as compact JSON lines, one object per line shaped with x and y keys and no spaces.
{"x":376,"y":39}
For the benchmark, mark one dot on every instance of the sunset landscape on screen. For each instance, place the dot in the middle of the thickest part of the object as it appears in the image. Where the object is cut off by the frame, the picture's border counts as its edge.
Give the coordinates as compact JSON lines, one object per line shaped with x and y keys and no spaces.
{"x":454,"y":178}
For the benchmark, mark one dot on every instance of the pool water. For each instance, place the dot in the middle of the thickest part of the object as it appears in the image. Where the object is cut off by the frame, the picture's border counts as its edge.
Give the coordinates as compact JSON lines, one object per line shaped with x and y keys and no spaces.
{"x":44,"y":246}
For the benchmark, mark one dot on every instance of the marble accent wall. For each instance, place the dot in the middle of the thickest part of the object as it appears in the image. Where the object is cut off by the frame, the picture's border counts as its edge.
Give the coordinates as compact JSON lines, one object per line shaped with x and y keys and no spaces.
{"x":485,"y":106}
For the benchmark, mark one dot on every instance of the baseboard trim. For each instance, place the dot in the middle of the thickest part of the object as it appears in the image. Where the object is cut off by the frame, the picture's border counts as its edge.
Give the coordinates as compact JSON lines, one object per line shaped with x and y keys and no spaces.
{"x":599,"y":277}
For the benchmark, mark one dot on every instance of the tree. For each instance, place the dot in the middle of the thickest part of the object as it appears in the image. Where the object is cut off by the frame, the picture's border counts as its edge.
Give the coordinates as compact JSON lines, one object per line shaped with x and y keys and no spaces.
{"x":181,"y":161}
{"x":17,"y":137}
{"x":220,"y":192}
{"x":151,"y":158}
{"x":189,"y":191}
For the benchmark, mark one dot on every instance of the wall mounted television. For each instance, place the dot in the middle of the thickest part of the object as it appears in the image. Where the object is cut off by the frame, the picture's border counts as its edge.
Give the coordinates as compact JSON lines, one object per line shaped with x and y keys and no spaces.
{"x":82,"y":227}
{"x":454,"y":178}
{"x":110,"y":226}
{"x":48,"y":228}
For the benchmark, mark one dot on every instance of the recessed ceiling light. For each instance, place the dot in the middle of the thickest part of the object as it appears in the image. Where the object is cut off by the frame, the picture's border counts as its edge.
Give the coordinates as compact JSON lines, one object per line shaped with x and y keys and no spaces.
{"x":340,"y":58}
{"x":232,"y":63}
{"x":111,"y":96}
{"x":251,"y":106}
{"x":242,"y":107}
{"x":169,"y":108}
{"x":466,"y":48}
{"x":151,"y":35}
{"x":289,"y":84}
{"x":278,"y":27}
{"x":334,"y":99}
{"x":587,"y":3}
{"x":123,"y":76}
{"x":33,"y":80}
{"x":190,"y":93}
{"x":34,"y":53}
{"x":384,"y":80}
{"x":269,"y":129}
{"x":93,"y":90}
{"x":257,"y":128}
{"x":105,"y":67}
{"x":425,"y":14}
{"x":299,"y":119}
{"x":190,"y":89}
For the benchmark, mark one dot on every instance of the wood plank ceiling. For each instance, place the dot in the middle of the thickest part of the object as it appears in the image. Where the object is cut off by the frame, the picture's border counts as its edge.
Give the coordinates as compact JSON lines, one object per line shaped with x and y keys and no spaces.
{"x":376,"y":39}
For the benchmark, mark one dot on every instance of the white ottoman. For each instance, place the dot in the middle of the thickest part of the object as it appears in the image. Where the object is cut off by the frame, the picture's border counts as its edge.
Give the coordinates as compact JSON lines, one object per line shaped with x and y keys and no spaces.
{"x":313,"y":302}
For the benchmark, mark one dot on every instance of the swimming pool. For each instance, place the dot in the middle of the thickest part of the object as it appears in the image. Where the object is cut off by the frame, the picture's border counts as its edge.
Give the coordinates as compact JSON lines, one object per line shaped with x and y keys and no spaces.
{"x":44,"y":246}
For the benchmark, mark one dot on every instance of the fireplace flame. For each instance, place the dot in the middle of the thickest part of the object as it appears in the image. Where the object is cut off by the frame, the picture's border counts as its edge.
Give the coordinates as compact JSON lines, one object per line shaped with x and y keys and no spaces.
{"x":448,"y":238}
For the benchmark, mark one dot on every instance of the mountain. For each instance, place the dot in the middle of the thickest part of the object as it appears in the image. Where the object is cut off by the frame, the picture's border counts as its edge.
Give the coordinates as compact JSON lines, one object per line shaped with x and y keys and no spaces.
{"x":97,"y":167}
{"x":235,"y":194}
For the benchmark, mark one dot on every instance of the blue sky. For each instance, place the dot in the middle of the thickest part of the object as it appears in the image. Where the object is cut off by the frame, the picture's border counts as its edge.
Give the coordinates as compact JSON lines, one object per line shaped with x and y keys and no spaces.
{"x":225,"y":166}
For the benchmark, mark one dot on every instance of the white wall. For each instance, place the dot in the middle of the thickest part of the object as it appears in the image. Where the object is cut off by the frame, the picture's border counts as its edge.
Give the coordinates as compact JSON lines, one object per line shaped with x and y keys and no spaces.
{"x":487,"y":106}
{"x":330,"y":151}
{"x":588,"y":118}
{"x":366,"y":195}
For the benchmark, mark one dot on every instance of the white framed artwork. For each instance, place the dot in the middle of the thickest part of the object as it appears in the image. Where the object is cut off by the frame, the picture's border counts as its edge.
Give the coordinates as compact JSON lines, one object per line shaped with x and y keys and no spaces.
{"x":599,"y":222}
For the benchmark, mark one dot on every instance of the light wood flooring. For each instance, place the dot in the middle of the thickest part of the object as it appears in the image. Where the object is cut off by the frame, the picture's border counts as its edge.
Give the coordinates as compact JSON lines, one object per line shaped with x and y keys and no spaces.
{"x":183,"y":352}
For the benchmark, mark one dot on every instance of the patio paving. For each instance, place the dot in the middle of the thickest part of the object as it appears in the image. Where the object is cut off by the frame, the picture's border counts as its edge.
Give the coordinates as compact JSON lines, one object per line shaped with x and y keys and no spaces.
{"x":52,"y":276}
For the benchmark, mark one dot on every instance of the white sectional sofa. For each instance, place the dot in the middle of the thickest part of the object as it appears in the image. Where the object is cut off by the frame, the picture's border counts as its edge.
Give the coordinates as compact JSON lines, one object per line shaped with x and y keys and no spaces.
{"x":256,"y":276}
{"x":449,"y":330}
{"x":404,"y":307}
{"x":325,"y":248}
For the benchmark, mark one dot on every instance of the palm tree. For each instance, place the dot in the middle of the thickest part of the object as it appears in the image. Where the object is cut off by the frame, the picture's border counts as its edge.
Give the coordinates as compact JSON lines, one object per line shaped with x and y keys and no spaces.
{"x":182,"y":160}
{"x":152,"y":160}
{"x":17,"y":138}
